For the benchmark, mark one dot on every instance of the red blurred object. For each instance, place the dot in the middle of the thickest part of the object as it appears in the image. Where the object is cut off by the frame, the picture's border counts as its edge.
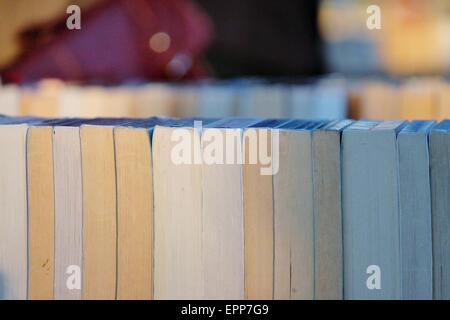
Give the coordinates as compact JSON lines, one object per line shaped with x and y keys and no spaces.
{"x":114,"y":44}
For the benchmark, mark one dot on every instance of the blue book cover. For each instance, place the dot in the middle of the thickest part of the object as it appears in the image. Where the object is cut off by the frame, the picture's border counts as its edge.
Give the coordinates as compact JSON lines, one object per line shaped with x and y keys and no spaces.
{"x":370,"y":209}
{"x":415,"y":211}
{"x":440,"y":206}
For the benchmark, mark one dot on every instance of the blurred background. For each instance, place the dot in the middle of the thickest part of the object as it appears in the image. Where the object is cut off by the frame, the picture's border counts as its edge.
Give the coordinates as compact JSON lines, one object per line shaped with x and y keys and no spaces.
{"x":260,"y":58}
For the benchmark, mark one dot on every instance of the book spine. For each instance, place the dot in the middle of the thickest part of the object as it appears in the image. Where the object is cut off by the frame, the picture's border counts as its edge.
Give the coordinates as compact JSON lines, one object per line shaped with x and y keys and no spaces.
{"x":99,"y":212}
{"x":440,"y":204}
{"x":13,"y":213}
{"x":41,"y":213}
{"x":327,"y":215}
{"x":370,"y":215}
{"x":68,"y":213}
{"x":178,"y":216}
{"x":135,"y":246}
{"x":415,"y":216}
{"x":222,"y":215}
{"x":294,"y":218}
{"x":258,"y":220}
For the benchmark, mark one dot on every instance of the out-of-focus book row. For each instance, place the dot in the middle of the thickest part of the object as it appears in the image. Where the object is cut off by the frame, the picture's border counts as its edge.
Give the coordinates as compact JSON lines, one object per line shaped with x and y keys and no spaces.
{"x":325,"y":98}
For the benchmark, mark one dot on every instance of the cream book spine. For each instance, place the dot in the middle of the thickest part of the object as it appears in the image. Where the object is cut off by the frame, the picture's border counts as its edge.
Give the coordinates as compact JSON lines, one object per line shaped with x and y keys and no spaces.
{"x":99,"y":212}
{"x":41,"y":213}
{"x":258,"y":219}
{"x":222,"y":210}
{"x":178,"y":260}
{"x":134,"y":214}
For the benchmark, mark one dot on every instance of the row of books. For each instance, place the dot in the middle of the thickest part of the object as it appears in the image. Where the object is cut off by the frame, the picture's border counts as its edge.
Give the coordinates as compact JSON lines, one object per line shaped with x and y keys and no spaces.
{"x":241,"y":97}
{"x":421,"y":98}
{"x":232,"y":208}
{"x":327,"y":98}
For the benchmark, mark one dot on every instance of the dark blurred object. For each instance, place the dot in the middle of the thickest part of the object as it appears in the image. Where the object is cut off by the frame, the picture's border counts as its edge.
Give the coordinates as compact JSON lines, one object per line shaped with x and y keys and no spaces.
{"x":118,"y":40}
{"x":264,"y":37}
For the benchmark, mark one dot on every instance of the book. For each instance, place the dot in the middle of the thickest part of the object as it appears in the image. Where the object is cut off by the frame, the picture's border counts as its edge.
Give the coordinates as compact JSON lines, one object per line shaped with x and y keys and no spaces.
{"x":329,"y":99}
{"x":13,"y":209}
{"x":178,"y":261}
{"x":222,"y":209}
{"x":415,"y":211}
{"x":328,"y":246}
{"x":258,"y":227}
{"x":71,"y":103}
{"x":217,"y":100}
{"x":186,"y":100}
{"x":262,"y":100}
{"x":440,"y":208}
{"x":258,"y":210}
{"x":42,"y":101}
{"x":155,"y":100}
{"x":230,"y":208}
{"x":99,"y":212}
{"x":120,"y":103}
{"x":379,"y":100}
{"x":41,"y":213}
{"x":293,"y":213}
{"x":222,"y":216}
{"x":68,"y":211}
{"x":370,"y":207}
{"x":9,"y":100}
{"x":93,"y":102}
{"x":443,"y":101}
{"x":300,"y":101}
{"x":135,"y":239}
{"x":418,"y":100}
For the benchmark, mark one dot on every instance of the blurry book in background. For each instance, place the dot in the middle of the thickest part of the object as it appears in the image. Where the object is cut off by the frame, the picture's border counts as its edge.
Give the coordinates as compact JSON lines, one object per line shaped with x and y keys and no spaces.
{"x":41,"y":100}
{"x":378,"y":100}
{"x":217,"y":100}
{"x":443,"y":101}
{"x":300,"y":100}
{"x":155,"y":99}
{"x":325,"y":98}
{"x":262,"y":100}
{"x":329,"y":99}
{"x":418,"y":99}
{"x":9,"y":100}
{"x":421,"y":98}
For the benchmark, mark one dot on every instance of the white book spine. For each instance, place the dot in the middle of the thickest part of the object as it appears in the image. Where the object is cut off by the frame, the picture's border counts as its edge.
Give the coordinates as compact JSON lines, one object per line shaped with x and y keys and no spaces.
{"x":68,"y":213}
{"x":13,"y":213}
